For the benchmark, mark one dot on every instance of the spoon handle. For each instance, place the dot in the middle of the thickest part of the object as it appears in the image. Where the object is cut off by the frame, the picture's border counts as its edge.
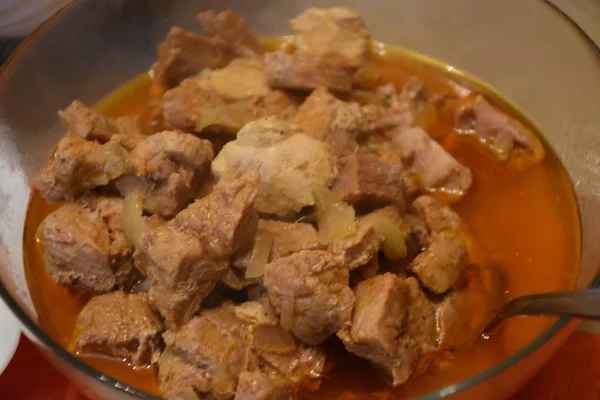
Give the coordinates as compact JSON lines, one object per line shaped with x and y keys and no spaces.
{"x":576,"y":303}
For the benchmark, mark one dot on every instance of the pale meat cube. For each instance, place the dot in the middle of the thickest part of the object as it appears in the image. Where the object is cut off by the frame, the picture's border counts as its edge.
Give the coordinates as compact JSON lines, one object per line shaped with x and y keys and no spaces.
{"x":231,"y":29}
{"x":259,"y":386}
{"x":310,"y":288}
{"x":274,"y":103}
{"x":184,"y":54}
{"x":357,"y":247}
{"x":438,"y":216}
{"x":76,"y":249}
{"x":119,"y":325}
{"x":182,"y":106}
{"x":442,"y":263}
{"x":169,"y":165}
{"x":86,"y":123}
{"x":435,"y":167}
{"x":291,"y":164}
{"x":336,"y":34}
{"x":378,"y":320}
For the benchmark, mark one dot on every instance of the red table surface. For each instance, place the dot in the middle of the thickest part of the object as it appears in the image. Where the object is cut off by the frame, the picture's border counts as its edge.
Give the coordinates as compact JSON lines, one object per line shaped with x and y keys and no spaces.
{"x":573,"y":373}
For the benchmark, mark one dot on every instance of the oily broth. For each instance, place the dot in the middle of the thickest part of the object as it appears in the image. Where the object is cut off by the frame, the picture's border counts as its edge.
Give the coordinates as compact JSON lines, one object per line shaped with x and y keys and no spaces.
{"x":525,"y":238}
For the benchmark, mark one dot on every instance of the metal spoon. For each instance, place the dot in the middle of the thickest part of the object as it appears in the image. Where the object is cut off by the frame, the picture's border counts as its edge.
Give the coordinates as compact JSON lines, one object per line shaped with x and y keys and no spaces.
{"x":575,"y":303}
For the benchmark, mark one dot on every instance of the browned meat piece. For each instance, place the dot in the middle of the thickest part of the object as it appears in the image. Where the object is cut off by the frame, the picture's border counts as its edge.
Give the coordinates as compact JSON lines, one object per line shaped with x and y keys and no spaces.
{"x":87,"y":123}
{"x":182,"y":106}
{"x":185,"y":258}
{"x":184,"y":54}
{"x":110,"y":210}
{"x":414,"y":95}
{"x":310,"y":292}
{"x":364,"y":179}
{"x":377,"y":323}
{"x":435,"y":167}
{"x":239,"y":80}
{"x":169,"y":165}
{"x":275,"y":102}
{"x":496,"y":130}
{"x":231,"y":29}
{"x":77,"y":247}
{"x":330,"y":46}
{"x":421,"y":330}
{"x":438,"y":216}
{"x":181,"y":270}
{"x":291,"y":164}
{"x":295,"y":71}
{"x":219,"y":351}
{"x":317,"y":112}
{"x":119,"y":325}
{"x":131,"y":126}
{"x":226,"y":217}
{"x":358,"y":247}
{"x":217,"y":344}
{"x":258,"y":386}
{"x":441,"y":264}
{"x":288,"y":238}
{"x":65,"y":177}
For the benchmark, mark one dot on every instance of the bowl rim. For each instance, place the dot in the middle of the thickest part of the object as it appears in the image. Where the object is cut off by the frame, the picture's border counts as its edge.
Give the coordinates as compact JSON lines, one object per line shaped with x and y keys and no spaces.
{"x":40,"y":336}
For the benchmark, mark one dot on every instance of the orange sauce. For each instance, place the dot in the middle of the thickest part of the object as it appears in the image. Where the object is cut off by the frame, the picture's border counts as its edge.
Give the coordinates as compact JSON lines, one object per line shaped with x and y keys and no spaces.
{"x":523,"y":224}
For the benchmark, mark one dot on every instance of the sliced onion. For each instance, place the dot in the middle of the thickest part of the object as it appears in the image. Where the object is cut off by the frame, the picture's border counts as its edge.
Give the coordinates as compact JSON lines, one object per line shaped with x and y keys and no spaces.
{"x":394,"y":232}
{"x":231,"y":280}
{"x":274,"y":339}
{"x":133,"y":222}
{"x":189,"y":394}
{"x":110,"y":160}
{"x":287,"y":310}
{"x":164,"y":362}
{"x":263,"y":243}
{"x":230,"y":116}
{"x":334,"y":218}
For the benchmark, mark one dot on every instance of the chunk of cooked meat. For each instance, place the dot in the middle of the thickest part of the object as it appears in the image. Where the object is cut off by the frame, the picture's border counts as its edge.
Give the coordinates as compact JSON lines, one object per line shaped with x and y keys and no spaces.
{"x":169,"y":165}
{"x":216,"y":343}
{"x":378,"y":320}
{"x":185,"y":258}
{"x":119,"y":325}
{"x":421,"y":330}
{"x":330,"y":46}
{"x":182,"y":106}
{"x":220,"y":349}
{"x":276,"y":102}
{"x":184,"y":54}
{"x":414,"y":95}
{"x":357,"y":247}
{"x":76,"y":249}
{"x":310,"y":292}
{"x":66,"y":176}
{"x":500,"y":133}
{"x":288,"y":238}
{"x":226,"y":217}
{"x":441,"y":264}
{"x":231,"y":29}
{"x":438,"y":217}
{"x":291,"y":164}
{"x":88,"y":124}
{"x":240,"y":79}
{"x":110,"y":210}
{"x":365,"y":179}
{"x":435,"y":167}
{"x":259,"y":386}
{"x":301,"y":72}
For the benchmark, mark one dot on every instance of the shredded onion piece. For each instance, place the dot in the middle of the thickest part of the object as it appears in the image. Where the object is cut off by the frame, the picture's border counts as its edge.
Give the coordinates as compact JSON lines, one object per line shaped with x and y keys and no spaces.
{"x":263,"y":243}
{"x":230,"y":116}
{"x":287,"y":310}
{"x":163,"y":361}
{"x":231,"y":280}
{"x":334,"y":218}
{"x":393,"y":232}
{"x":110,"y":160}
{"x":133,"y":222}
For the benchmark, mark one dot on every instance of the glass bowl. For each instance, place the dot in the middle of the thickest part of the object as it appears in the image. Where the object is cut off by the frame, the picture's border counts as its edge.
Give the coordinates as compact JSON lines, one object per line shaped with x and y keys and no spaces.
{"x":526,"y":50}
